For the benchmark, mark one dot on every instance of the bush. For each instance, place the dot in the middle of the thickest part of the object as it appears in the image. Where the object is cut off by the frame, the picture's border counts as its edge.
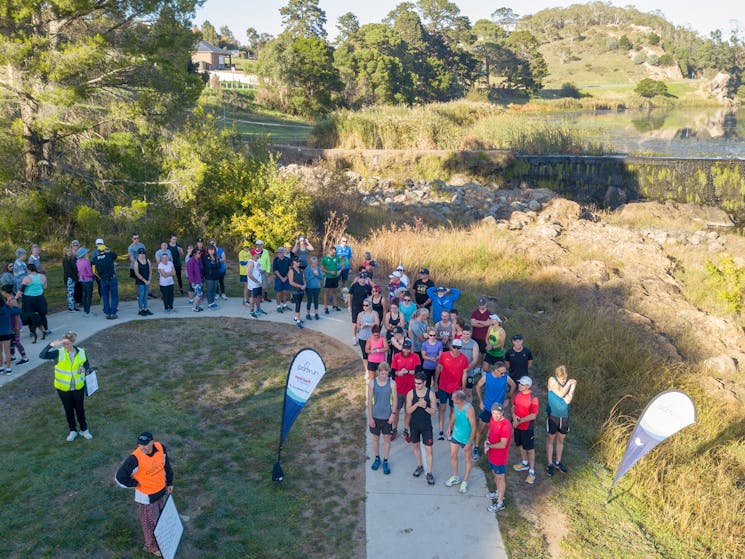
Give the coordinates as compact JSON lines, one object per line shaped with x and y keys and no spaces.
{"x":667,"y":60}
{"x":568,"y":89}
{"x":624,"y":43}
{"x":653,"y":60}
{"x":653,"y":38}
{"x":640,"y":58}
{"x":649,"y":88}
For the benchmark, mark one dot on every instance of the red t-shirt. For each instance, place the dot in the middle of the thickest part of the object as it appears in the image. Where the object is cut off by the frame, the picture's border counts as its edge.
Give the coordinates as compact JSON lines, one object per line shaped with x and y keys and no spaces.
{"x":479,"y":332}
{"x":499,"y":430}
{"x":524,"y":403}
{"x":451,"y":376}
{"x":405,"y":383}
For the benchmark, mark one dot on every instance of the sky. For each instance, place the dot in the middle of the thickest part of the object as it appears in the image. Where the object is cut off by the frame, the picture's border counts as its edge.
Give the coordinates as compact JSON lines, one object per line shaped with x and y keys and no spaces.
{"x":702,"y":16}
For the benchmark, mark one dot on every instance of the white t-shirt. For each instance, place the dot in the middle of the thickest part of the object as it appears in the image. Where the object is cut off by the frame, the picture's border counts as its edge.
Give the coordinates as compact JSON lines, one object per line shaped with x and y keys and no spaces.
{"x":167,"y":268}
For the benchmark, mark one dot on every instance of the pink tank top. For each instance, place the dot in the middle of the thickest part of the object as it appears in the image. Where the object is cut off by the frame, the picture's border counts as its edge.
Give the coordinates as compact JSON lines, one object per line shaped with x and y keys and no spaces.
{"x":378,"y":357}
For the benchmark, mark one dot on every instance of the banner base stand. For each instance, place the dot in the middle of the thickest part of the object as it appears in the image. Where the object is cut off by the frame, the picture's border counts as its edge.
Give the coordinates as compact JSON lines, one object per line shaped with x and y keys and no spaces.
{"x":277,"y":473}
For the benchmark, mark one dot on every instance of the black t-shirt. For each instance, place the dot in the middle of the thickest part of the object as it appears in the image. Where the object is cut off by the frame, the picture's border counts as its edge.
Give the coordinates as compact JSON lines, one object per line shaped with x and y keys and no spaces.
{"x":282,"y":265}
{"x":420,"y":290}
{"x":359,"y":293}
{"x":104,"y":263}
{"x":518,"y":361}
{"x":175,"y":256}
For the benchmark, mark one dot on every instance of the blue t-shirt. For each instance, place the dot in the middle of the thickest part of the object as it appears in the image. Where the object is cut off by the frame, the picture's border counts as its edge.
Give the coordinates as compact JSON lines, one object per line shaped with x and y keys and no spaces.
{"x":556,"y":404}
{"x":444,"y":303}
{"x":430,"y":350}
{"x":495,"y":389}
{"x":346,"y":253}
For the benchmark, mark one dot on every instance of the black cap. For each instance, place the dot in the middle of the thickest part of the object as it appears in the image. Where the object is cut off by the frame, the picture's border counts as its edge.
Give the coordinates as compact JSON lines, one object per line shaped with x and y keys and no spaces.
{"x":517,"y":337}
{"x":144,"y":438}
{"x":424,"y":271}
{"x":141,"y":250}
{"x":407,"y":343}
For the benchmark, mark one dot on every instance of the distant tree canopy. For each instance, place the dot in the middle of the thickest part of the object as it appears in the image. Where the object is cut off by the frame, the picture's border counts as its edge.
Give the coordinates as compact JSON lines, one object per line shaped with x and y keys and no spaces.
{"x":650,"y":88}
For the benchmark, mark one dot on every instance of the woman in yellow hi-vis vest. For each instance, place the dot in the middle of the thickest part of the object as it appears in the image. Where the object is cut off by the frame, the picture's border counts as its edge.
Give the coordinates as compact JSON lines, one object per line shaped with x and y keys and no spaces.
{"x":69,"y":380}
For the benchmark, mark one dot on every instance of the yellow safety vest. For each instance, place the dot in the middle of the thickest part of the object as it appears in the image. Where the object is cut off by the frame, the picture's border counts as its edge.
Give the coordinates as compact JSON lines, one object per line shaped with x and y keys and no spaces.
{"x":69,"y":375}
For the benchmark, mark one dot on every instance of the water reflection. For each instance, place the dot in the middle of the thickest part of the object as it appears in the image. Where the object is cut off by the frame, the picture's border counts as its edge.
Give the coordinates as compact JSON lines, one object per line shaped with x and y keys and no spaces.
{"x":715,"y":132}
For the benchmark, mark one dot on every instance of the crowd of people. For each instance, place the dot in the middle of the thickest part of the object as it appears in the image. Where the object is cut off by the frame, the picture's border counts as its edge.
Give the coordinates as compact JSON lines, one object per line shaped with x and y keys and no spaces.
{"x":419,"y":353}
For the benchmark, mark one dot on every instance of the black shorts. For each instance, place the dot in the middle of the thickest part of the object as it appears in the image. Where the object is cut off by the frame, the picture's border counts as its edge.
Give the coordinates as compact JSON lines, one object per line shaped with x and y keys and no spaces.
{"x":557,"y":425}
{"x":489,"y":358}
{"x":355,"y":312}
{"x":331,"y":283}
{"x":372,"y":367}
{"x":524,"y":439}
{"x":6,"y":337}
{"x":401,"y":401}
{"x":363,"y":344}
{"x":381,"y":426}
{"x":421,"y":432}
{"x":243,"y":278}
{"x":256,"y":292}
{"x":481,"y":344}
{"x":445,"y":397}
{"x":345,"y":274}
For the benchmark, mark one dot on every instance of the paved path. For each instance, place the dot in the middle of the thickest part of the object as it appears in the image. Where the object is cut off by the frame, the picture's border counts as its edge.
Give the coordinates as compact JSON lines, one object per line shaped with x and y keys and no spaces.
{"x":404,"y":516}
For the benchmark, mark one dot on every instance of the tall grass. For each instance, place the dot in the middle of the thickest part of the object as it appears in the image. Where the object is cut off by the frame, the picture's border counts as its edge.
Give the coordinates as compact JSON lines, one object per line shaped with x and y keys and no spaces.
{"x":450,"y":126}
{"x":683,"y":500}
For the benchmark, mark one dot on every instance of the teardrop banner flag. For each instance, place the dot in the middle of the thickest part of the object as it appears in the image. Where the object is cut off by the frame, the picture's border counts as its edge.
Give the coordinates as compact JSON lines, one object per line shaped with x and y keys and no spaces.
{"x":665,"y":415}
{"x":305,"y":372}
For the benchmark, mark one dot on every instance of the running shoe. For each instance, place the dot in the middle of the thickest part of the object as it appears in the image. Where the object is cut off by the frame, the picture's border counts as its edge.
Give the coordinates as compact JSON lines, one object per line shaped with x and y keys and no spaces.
{"x":452,"y":480}
{"x":394,"y":434}
{"x":326,"y":311}
{"x":492,"y":495}
{"x":224,"y":297}
{"x":316,"y":316}
{"x":261,"y":311}
{"x":562,"y":468}
{"x":336,"y":308}
{"x":197,"y":309}
{"x":86,"y":434}
{"x":419,"y":471}
{"x":441,"y":436}
{"x":475,"y":453}
{"x":530,"y":479}
{"x":308,"y":317}
{"x":299,"y":323}
{"x":376,"y":463}
{"x":386,"y":467}
{"x":520,"y":467}
{"x":463,"y":487}
{"x":148,"y":312}
{"x":22,"y":361}
{"x":430,"y":479}
{"x":280,"y":309}
{"x":407,"y":437}
{"x":212,"y":306}
{"x":253,"y":314}
{"x":550,"y":469}
{"x":72,"y":436}
{"x":496,"y":507}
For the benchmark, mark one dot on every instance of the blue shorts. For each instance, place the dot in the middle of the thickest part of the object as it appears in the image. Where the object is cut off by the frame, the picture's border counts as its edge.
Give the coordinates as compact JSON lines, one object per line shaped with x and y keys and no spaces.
{"x":445,"y":397}
{"x":280,"y":285}
{"x":243,"y":278}
{"x":485,"y":415}
{"x":345,"y":274}
{"x":455,"y":441}
{"x":498,"y":469}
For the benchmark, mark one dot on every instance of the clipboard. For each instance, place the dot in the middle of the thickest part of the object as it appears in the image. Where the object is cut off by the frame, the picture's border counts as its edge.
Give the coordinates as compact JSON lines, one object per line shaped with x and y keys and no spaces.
{"x":91,"y":383}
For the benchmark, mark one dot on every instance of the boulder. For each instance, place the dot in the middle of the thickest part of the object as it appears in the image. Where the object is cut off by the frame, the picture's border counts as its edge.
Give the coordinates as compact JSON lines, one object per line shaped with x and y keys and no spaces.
{"x":560,"y":211}
{"x":722,"y":365}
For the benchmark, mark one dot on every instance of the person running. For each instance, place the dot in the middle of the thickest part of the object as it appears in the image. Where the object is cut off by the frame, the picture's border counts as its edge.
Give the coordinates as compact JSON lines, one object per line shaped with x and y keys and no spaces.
{"x":331,"y":265}
{"x":281,"y":268}
{"x":494,"y":387}
{"x":420,"y":406}
{"x":461,"y":432}
{"x":497,"y":450}
{"x":296,"y":280}
{"x":524,"y":414}
{"x":560,"y":394}
{"x":450,"y":375}
{"x":443,"y":298}
{"x":381,"y":393}
{"x":148,"y":471}
{"x":518,"y":358}
{"x":313,"y":283}
{"x":494,"y":347}
{"x":404,"y":365}
{"x":254,"y":278}
{"x":376,"y":349}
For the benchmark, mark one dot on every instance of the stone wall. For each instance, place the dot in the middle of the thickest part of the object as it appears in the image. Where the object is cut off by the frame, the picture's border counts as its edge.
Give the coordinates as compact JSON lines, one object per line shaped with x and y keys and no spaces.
{"x":607,"y":181}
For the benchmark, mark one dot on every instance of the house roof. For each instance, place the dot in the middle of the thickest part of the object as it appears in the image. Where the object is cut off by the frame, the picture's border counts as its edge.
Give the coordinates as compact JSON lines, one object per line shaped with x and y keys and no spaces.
{"x":204,"y":46}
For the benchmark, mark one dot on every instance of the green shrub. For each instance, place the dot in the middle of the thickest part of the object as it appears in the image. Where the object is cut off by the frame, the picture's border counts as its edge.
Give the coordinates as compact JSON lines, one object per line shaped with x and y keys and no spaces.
{"x":727,"y":280}
{"x":640,"y":58}
{"x":649,"y":88}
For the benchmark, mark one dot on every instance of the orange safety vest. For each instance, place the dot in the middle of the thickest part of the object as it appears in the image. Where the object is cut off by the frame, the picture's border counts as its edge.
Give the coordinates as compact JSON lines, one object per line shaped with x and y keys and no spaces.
{"x":151,"y":470}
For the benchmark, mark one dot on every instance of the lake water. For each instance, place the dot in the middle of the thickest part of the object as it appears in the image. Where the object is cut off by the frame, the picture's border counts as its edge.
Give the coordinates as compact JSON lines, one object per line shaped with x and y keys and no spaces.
{"x":715,"y":132}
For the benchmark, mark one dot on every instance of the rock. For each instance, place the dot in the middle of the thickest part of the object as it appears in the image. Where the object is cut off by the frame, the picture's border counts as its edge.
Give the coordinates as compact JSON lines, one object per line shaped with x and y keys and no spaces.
{"x":722,"y":365}
{"x":457,"y":199}
{"x":560,"y":211}
{"x":518,"y":220}
{"x":708,"y":215}
{"x":400,"y":198}
{"x":534,"y":205}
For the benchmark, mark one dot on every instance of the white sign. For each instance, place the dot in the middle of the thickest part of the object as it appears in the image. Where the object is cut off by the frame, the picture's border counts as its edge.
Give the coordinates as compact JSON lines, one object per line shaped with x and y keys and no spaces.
{"x":91,"y":383}
{"x":168,"y":530}
{"x":306,"y":372}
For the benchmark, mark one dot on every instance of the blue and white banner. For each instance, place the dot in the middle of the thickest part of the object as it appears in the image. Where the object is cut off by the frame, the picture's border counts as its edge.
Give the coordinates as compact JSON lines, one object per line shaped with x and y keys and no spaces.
{"x":305,"y":372}
{"x":665,"y":415}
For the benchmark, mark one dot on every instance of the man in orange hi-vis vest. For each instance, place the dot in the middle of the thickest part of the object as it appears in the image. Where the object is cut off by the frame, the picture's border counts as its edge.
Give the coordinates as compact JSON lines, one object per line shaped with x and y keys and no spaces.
{"x":148,"y":471}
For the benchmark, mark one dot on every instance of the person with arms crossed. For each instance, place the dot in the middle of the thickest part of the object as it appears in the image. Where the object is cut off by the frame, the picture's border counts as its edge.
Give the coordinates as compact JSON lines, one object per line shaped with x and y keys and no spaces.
{"x":148,"y":471}
{"x":524,"y":414}
{"x":450,"y":375}
{"x":497,"y":450}
{"x":381,"y":394}
{"x":420,"y":406}
{"x":560,"y":396}
{"x":461,"y":432}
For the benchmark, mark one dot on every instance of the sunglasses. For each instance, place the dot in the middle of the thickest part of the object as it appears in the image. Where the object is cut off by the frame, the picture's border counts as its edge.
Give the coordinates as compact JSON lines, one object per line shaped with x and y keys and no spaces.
{"x":407,"y":300}
{"x":365,"y":306}
{"x":431,"y":335}
{"x":419,"y":382}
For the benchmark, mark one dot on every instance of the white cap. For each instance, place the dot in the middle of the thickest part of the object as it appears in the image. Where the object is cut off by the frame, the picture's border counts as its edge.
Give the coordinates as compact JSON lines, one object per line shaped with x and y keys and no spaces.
{"x":400,"y":268}
{"x":495,"y":317}
{"x":525,"y":381}
{"x":99,"y":241}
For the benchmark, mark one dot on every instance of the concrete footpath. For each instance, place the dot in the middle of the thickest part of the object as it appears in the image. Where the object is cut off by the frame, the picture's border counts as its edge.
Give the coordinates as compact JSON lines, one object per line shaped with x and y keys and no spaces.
{"x":404,"y":516}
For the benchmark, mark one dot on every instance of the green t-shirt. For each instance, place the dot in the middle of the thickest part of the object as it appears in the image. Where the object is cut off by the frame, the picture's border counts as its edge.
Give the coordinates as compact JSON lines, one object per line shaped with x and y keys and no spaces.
{"x":331,"y":264}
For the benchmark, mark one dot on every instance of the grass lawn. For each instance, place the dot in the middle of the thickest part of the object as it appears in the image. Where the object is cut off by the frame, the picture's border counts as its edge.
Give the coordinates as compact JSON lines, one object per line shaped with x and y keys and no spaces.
{"x":211,"y":390}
